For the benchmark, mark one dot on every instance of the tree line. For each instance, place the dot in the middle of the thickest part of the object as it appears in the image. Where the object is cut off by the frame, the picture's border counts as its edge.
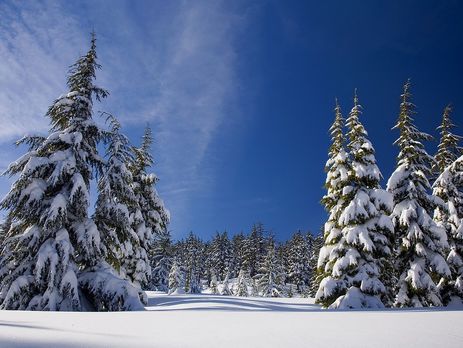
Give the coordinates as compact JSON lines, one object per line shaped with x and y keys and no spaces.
{"x":243,"y":265}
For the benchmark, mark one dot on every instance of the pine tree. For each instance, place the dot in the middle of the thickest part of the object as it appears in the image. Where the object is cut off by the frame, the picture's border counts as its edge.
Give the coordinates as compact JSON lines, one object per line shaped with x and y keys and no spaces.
{"x":448,"y":150}
{"x":337,"y":168}
{"x":420,"y":242}
{"x":254,"y":249}
{"x":356,"y":261}
{"x":192,"y":264}
{"x":449,"y":187}
{"x":226,"y":286}
{"x":448,"y":217}
{"x":213,"y":284}
{"x":53,"y":254}
{"x":242,"y":289}
{"x":220,"y":257}
{"x":116,"y":202}
{"x":297,"y":259}
{"x":176,"y":281}
{"x":151,"y":218}
{"x":270,"y":276}
{"x":236,"y":261}
{"x":161,"y":262}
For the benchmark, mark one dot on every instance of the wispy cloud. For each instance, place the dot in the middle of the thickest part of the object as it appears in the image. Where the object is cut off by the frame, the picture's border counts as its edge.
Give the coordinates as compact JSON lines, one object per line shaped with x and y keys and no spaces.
{"x":36,"y":43}
{"x":176,"y":71}
{"x":196,"y":82}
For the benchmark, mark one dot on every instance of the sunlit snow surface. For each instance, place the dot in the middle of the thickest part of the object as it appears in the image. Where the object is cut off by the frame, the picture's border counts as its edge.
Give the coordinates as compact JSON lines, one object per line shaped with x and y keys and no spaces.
{"x":223,"y":321}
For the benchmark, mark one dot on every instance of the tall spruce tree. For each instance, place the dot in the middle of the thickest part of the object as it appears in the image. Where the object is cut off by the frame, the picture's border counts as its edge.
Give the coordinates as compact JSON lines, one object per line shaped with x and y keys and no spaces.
{"x":449,"y":149}
{"x":420,"y":242}
{"x":449,"y":187}
{"x":243,"y":283}
{"x":220,"y":255}
{"x":151,"y":218}
{"x":337,"y":168}
{"x":254,"y":249}
{"x":53,"y":254}
{"x":116,"y":203}
{"x":192,"y":265}
{"x":176,"y":279}
{"x":298,"y":261}
{"x":226,"y":286}
{"x":357,"y":260}
{"x":161,"y":262}
{"x":236,"y":262}
{"x":270,"y":276}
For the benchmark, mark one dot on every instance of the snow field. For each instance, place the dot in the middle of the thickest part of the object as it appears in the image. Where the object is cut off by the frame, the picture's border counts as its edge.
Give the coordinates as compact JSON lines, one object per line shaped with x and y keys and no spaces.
{"x":226,"y":321}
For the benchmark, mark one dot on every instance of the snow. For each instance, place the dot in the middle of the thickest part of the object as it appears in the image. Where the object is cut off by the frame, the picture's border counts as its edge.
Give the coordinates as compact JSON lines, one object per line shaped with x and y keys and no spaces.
{"x":224,"y":321}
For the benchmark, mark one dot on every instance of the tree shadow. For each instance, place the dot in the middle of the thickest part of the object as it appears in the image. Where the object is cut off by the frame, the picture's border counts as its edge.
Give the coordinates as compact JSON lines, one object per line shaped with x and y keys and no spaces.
{"x":29,"y":326}
{"x":249,"y":304}
{"x":225,"y":303}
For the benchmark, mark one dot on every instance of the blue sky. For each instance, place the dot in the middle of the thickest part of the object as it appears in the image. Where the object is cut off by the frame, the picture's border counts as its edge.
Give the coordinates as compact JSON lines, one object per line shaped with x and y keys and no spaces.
{"x":239,"y":93}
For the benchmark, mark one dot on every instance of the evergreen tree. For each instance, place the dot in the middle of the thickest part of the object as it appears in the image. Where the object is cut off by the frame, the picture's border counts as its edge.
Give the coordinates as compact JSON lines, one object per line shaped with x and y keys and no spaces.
{"x":151,"y":218}
{"x":254,"y":249}
{"x":243,"y":284}
{"x":213,"y":284}
{"x":115,"y":203}
{"x":270,"y":276}
{"x":53,"y":254}
{"x":420,"y":242}
{"x":448,"y":150}
{"x":193,"y":264}
{"x":161,"y":262}
{"x":236,"y":261}
{"x":220,"y":254}
{"x":337,"y":168}
{"x":226,"y":286}
{"x":357,"y":260}
{"x":449,"y":187}
{"x":298,"y":261}
{"x":176,"y":281}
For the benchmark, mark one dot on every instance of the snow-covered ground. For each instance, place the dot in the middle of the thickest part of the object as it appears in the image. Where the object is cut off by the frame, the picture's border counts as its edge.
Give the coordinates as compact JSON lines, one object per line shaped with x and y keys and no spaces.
{"x":222,"y":321}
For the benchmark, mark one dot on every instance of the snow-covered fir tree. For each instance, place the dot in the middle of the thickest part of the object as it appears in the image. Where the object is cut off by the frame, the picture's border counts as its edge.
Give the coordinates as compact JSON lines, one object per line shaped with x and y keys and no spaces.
{"x":449,"y":187}
{"x":356,"y":261}
{"x":116,"y":203}
{"x":297,"y":259}
{"x":226,"y":291}
{"x":53,"y":254}
{"x":220,"y":254}
{"x":176,"y":279}
{"x":421,"y":243}
{"x":161,"y":261}
{"x":236,"y":261}
{"x":243,"y":283}
{"x":192,"y":265}
{"x":151,"y":218}
{"x":337,"y":168}
{"x":270,"y":277}
{"x":254,"y":249}
{"x":449,"y":149}
{"x":213,"y":285}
